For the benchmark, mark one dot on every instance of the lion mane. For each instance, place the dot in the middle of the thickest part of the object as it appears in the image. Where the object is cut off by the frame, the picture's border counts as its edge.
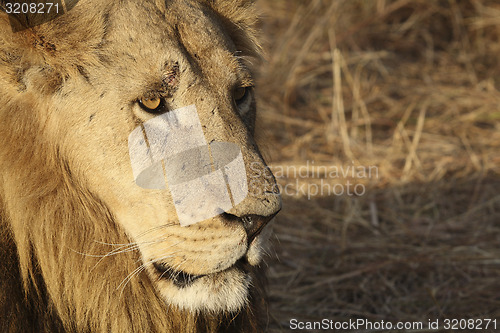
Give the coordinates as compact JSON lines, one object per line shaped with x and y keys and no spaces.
{"x":62,"y":267}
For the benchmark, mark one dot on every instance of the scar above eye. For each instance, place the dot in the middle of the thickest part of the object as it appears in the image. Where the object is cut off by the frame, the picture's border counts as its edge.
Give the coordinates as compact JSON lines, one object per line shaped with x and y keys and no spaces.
{"x":170,"y":77}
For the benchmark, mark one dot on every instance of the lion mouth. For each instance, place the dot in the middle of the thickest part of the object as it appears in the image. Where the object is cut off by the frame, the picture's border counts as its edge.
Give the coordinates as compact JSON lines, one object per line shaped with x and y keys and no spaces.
{"x":182,"y":279}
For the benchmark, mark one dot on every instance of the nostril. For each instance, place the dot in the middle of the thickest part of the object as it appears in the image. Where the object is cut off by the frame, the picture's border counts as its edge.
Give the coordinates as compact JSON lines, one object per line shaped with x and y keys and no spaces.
{"x":248,"y":221}
{"x":252,"y":223}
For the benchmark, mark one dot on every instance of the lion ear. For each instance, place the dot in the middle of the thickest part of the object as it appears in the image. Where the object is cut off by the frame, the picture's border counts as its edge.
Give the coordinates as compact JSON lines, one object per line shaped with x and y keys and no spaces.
{"x":22,"y":21}
{"x":235,"y":10}
{"x":63,"y":43}
{"x":241,"y":17}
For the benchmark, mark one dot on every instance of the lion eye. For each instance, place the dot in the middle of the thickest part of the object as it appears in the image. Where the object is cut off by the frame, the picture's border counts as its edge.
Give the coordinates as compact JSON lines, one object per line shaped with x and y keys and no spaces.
{"x":243,"y":98}
{"x":154,"y":105}
{"x":239,"y":93}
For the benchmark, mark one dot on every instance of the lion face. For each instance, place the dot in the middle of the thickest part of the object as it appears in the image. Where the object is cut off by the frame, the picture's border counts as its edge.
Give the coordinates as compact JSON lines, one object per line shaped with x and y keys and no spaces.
{"x":156,"y":58}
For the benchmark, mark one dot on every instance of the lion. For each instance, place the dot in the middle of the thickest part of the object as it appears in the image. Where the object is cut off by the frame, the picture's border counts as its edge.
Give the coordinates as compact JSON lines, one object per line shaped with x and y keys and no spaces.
{"x":83,"y":247}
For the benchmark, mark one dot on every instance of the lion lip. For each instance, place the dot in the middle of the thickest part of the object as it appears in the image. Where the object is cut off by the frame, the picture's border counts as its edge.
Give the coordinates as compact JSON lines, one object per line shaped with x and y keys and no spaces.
{"x":182,"y":279}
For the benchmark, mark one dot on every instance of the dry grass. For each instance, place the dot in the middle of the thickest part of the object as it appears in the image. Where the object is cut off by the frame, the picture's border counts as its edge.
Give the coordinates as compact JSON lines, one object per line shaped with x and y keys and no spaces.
{"x":411,"y":87}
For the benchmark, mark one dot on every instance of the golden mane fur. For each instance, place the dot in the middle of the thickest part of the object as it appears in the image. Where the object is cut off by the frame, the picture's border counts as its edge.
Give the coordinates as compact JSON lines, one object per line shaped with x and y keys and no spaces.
{"x":54,"y":230}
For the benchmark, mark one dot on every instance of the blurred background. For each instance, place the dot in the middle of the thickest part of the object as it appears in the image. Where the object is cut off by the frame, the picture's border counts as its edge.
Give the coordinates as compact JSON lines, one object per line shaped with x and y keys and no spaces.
{"x":381,"y":121}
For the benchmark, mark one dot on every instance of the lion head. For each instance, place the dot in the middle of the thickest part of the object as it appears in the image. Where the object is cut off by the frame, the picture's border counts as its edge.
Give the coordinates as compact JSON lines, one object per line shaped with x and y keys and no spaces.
{"x":93,"y":247}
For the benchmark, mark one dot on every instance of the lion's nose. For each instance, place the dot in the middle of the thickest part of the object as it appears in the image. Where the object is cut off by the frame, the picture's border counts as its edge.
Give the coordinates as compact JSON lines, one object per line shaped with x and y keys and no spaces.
{"x":252,"y":223}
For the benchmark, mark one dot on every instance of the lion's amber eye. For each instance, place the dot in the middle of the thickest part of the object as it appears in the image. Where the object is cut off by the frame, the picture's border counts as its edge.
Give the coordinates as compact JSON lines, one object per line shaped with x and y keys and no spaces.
{"x":151,"y":105}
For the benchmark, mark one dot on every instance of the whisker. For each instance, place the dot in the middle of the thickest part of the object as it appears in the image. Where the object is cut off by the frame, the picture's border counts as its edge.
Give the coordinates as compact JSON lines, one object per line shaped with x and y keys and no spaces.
{"x":171,"y":224}
{"x":129,"y":277}
{"x":131,"y":248}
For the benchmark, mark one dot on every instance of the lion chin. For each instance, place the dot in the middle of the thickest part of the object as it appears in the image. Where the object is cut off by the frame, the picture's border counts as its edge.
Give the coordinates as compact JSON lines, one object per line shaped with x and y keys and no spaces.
{"x":226,"y":290}
{"x":133,"y":196}
{"x":223,"y":291}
